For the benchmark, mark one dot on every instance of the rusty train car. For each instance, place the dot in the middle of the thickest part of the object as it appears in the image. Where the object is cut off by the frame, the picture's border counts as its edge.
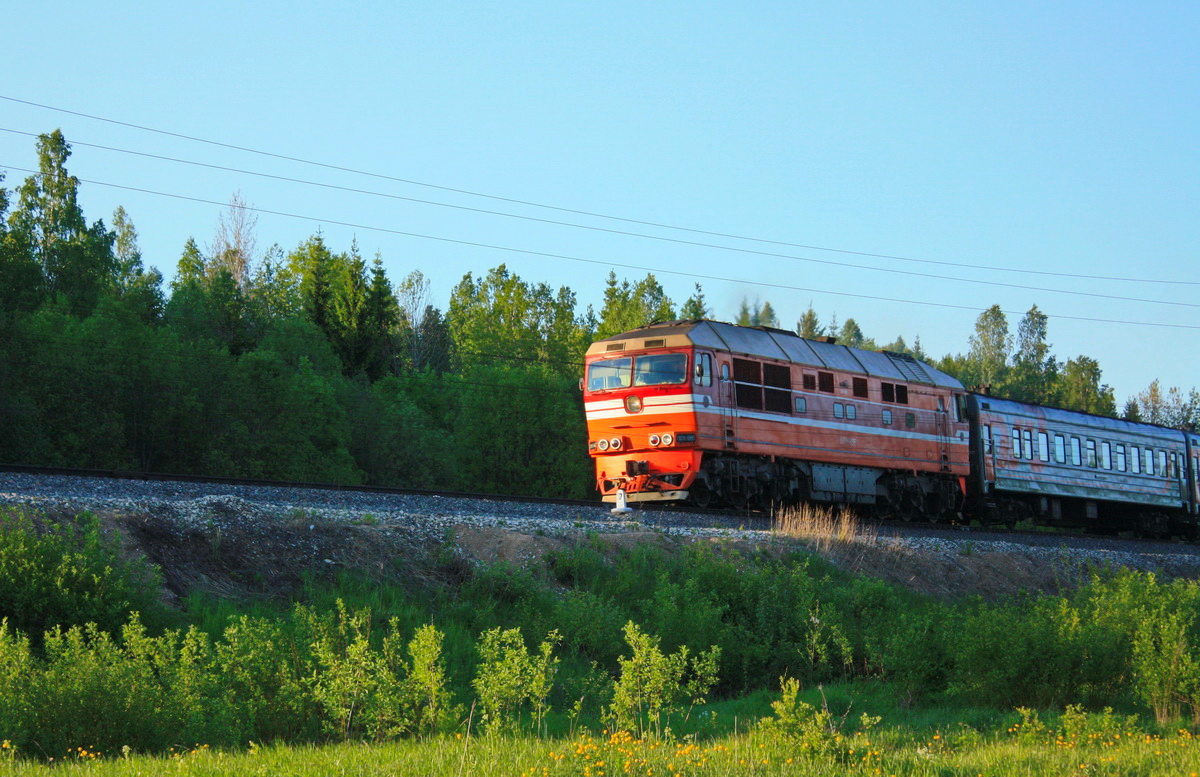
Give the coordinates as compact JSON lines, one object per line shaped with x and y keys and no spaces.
{"x":708,"y":412}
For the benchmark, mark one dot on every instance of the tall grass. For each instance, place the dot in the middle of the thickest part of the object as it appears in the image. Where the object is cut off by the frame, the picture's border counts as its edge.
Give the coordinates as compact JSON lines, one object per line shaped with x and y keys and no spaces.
{"x":891,"y":751}
{"x":823,"y":528}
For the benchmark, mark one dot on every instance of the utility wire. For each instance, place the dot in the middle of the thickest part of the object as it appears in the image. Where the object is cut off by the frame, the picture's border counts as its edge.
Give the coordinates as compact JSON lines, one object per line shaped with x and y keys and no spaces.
{"x":566,"y":257}
{"x":591,"y":214}
{"x":828,"y":262}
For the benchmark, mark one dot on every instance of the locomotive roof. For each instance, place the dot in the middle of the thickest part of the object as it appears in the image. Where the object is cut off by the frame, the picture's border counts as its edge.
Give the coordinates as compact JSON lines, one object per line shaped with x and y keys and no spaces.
{"x":777,"y":344}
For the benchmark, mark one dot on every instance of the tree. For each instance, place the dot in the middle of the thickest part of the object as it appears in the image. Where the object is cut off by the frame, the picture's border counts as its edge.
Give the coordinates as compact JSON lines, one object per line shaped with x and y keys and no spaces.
{"x":317,"y":268}
{"x":381,"y":320}
{"x":990,"y":346}
{"x":745,"y":317}
{"x":852,"y":335}
{"x":1169,"y":408}
{"x":500,"y":317}
{"x":694,"y":308}
{"x":48,"y":226}
{"x":21,"y":280}
{"x":766,"y":316}
{"x":1034,"y":376}
{"x":349,"y":326}
{"x":234,"y":242}
{"x":140,"y":290}
{"x":1081,"y":389}
{"x":629,"y":306}
{"x":809,"y":325}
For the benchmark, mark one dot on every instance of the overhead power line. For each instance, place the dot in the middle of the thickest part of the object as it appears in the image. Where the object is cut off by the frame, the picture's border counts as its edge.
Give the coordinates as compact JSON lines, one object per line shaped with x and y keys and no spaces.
{"x":828,"y":262}
{"x":593,"y":214}
{"x":601,"y":262}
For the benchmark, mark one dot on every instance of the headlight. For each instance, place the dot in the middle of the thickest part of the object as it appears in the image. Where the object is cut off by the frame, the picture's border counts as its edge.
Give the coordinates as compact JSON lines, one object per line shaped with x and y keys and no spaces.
{"x":633,"y":404}
{"x":602,"y":445}
{"x":668,"y":438}
{"x":615,"y":444}
{"x":654,"y":440}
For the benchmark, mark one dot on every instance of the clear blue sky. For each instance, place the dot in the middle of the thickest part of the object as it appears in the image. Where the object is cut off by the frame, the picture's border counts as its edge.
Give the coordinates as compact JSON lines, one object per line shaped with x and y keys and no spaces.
{"x":1060,"y":138}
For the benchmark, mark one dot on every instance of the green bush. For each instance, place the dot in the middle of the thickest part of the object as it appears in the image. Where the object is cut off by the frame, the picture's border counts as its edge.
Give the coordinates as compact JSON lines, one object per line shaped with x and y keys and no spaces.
{"x":69,"y":574}
{"x":653,"y":685}
{"x":509,"y":679}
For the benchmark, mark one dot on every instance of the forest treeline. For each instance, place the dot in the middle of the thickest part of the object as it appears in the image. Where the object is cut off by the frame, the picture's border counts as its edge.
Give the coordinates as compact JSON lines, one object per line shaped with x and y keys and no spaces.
{"x":312,"y":364}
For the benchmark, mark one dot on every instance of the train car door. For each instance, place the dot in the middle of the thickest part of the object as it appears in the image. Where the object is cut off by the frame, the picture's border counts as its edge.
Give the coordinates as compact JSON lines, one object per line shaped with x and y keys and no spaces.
{"x":728,"y":407}
{"x":942,"y":424}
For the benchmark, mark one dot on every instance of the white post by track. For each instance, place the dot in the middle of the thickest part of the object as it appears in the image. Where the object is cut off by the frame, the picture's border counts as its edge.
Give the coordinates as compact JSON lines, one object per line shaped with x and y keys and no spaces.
{"x":622,"y":508}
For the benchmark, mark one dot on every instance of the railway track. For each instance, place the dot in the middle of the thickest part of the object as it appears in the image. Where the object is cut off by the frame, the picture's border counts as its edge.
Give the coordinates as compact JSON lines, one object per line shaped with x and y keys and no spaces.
{"x":82,"y":485}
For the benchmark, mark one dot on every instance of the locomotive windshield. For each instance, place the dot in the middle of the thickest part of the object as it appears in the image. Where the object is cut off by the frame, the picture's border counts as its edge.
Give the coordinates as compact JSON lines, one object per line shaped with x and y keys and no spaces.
{"x":658,"y":369}
{"x":610,"y":374}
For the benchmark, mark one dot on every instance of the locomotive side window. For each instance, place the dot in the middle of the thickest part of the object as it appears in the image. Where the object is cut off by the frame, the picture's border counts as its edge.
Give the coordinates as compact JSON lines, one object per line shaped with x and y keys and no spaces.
{"x":610,"y":374}
{"x":1135,"y":460}
{"x":894,"y":392}
{"x":910,"y":420}
{"x":777,"y":388}
{"x":1120,"y":457}
{"x":838,"y":410}
{"x":887,"y":418}
{"x":1043,"y":446}
{"x":660,"y":369}
{"x":801,"y":405}
{"x":825,"y":380}
{"x":748,"y":378}
{"x":1106,"y":455}
{"x":1091,"y":453}
{"x":1076,"y":452}
{"x":851,"y":412}
{"x":704,"y":370}
{"x":810,"y":382}
{"x":1060,"y":449}
{"x":860,"y":387}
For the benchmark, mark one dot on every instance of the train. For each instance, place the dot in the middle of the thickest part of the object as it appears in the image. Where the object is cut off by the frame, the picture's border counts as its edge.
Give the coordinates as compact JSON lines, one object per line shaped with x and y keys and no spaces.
{"x":710,"y":413}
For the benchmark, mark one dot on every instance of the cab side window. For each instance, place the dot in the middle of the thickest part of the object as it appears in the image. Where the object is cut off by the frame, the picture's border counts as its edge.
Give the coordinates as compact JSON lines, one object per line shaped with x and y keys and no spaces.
{"x":704,"y":369}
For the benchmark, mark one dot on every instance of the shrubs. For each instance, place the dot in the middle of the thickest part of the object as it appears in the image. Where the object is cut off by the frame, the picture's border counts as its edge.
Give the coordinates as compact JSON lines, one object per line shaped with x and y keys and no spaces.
{"x":69,"y":573}
{"x":653,"y":686}
{"x":510,"y":680}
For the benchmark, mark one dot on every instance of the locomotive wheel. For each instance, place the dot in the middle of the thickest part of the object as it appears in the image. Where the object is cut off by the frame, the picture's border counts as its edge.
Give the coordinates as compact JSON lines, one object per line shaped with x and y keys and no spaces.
{"x":699,"y":494}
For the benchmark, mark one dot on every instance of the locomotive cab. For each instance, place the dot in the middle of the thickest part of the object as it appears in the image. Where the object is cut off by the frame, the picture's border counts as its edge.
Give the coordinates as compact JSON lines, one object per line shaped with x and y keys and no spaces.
{"x":642,"y":429}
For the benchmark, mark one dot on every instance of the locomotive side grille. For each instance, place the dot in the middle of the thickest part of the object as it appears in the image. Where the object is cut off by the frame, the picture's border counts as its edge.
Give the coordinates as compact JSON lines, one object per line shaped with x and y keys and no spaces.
{"x":615,"y":347}
{"x":655,"y":343}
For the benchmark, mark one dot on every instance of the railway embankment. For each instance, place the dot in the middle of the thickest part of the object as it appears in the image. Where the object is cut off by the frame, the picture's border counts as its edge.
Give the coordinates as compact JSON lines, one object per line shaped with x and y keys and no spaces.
{"x":236,"y":540}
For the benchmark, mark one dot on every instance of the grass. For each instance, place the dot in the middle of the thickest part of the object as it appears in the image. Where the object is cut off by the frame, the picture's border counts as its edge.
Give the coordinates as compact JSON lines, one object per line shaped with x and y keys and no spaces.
{"x":890,"y":751}
{"x":822,"y":527}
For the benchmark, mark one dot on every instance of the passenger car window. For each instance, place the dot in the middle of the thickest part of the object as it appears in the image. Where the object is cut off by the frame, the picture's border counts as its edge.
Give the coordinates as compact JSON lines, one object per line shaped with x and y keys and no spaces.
{"x":1043,"y":446}
{"x":1060,"y":449}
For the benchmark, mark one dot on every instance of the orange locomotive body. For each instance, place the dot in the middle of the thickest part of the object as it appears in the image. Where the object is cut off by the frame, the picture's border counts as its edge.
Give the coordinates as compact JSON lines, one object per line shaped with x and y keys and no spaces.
{"x":703,"y":411}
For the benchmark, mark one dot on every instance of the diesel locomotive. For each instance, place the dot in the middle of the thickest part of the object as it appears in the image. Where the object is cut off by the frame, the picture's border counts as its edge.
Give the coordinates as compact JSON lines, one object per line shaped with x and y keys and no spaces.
{"x":707,"y":412}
